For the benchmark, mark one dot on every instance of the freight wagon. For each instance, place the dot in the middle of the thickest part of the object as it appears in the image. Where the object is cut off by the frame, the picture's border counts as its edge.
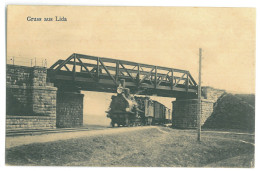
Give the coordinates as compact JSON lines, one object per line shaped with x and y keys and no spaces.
{"x":159,"y":113}
{"x":149,"y":111}
{"x":153,"y":111}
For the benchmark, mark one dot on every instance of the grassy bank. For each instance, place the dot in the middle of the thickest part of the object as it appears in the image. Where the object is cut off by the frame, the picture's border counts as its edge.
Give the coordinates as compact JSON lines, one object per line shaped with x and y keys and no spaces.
{"x":149,"y":147}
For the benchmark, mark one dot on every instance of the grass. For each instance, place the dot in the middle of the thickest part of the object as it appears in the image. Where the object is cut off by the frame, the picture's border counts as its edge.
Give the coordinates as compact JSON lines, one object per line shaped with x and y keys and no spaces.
{"x":150,"y":147}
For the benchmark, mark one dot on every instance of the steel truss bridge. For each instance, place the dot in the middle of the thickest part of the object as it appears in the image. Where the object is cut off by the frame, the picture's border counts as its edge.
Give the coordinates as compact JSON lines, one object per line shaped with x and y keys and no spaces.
{"x":91,"y":73}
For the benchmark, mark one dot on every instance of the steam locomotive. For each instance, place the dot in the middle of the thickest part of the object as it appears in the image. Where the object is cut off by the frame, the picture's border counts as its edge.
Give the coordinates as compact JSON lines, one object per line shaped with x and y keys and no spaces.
{"x":128,"y":110}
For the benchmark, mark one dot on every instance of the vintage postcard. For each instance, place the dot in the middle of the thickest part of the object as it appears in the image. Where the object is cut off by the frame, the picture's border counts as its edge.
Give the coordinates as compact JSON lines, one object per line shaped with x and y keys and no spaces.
{"x":130,"y":86}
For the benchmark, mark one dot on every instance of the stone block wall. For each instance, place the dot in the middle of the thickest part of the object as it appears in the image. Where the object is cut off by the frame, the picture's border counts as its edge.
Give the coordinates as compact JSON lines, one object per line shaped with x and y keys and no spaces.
{"x":211,"y":93}
{"x":30,"y":122}
{"x":18,"y":75}
{"x":44,"y":100}
{"x":69,"y":109}
{"x":18,"y":100}
{"x":206,"y":110}
{"x":30,"y":99}
{"x":39,"y":75}
{"x":185,"y":112}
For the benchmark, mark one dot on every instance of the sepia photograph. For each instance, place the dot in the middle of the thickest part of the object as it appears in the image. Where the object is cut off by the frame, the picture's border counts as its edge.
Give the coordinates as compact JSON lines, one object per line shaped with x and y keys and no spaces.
{"x":124,"y":86}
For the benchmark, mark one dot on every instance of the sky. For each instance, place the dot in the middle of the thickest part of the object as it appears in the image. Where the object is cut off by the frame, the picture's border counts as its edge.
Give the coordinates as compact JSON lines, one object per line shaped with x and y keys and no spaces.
{"x":163,"y":36}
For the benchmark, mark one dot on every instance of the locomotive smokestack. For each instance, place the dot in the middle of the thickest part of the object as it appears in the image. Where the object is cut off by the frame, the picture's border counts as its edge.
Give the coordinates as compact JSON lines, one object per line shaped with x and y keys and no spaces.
{"x":122,"y":81}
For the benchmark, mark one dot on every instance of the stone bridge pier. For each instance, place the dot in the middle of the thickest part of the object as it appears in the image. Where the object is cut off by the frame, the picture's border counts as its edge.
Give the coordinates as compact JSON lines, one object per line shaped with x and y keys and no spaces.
{"x":34,"y":103}
{"x":184,"y":110}
{"x":69,"y":109}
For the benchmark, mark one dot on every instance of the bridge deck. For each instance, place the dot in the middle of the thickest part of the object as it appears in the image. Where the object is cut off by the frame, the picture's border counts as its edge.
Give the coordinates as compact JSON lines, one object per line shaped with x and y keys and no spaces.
{"x":104,"y":75}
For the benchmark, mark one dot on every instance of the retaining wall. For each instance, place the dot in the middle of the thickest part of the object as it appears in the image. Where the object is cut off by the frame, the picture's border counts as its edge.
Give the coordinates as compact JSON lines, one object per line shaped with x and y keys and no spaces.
{"x":31,"y":101}
{"x":30,"y":122}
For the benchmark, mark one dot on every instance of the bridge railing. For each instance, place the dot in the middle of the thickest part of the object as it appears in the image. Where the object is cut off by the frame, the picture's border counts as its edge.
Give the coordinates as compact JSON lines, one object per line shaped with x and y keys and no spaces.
{"x":138,"y":74}
{"x":26,"y":61}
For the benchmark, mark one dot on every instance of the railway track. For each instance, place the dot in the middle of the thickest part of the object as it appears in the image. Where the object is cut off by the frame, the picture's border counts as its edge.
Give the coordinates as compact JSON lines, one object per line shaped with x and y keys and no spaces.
{"x":25,"y":132}
{"x":65,"y":134}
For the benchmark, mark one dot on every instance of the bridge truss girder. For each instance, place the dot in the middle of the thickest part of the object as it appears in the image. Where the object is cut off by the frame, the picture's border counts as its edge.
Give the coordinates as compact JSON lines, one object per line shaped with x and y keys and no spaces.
{"x":104,"y":74}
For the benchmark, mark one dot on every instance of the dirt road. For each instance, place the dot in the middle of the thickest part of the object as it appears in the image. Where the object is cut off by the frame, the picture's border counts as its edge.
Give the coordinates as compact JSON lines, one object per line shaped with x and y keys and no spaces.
{"x":23,"y":140}
{"x":137,"y":146}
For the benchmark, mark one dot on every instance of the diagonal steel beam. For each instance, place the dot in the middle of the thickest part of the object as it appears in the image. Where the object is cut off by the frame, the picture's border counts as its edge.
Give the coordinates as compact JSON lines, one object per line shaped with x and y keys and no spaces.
{"x":108,"y":71}
{"x":64,"y":62}
{"x":179,"y":80}
{"x":93,"y":70}
{"x":74,"y":68}
{"x":151,"y":82}
{"x":192,"y":79}
{"x":82,"y":64}
{"x":147,"y":75}
{"x":190,"y":82}
{"x":122,"y":73}
{"x":126,"y":71}
{"x":55,"y":64}
{"x":66,"y":67}
{"x":163,"y":78}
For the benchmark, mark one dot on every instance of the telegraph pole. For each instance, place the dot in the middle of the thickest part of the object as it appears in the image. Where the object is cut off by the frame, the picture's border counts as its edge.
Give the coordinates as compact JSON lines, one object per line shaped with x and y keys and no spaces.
{"x":199,"y":98}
